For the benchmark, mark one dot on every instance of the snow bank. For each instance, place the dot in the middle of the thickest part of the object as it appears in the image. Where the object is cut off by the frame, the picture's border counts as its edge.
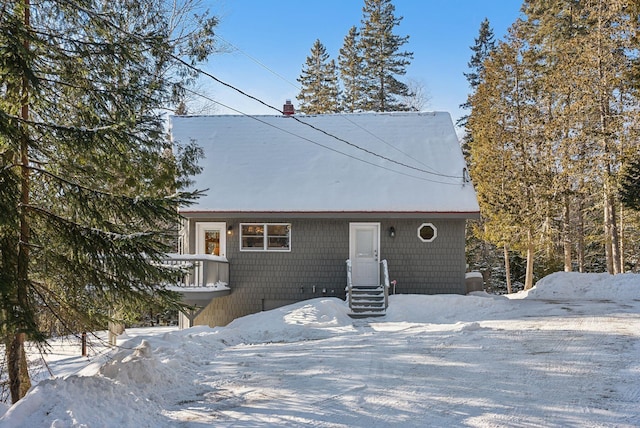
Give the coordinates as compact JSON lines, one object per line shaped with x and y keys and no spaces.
{"x":312,"y":319}
{"x":443,"y":308}
{"x":585,"y":286}
{"x":81,"y":402}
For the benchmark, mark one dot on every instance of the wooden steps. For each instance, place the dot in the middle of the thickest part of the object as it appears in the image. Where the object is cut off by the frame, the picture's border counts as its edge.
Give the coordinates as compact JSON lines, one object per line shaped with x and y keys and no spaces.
{"x":370,"y":300}
{"x":367,"y":302}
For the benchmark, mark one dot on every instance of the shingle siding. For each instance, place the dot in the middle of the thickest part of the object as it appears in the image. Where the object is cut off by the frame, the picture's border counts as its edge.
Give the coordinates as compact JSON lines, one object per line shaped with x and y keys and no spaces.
{"x":426,"y":267}
{"x":315,"y":266}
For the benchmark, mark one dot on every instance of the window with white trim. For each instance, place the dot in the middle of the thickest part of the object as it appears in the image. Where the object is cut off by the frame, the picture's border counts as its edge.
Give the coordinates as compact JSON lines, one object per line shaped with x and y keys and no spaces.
{"x":427,"y":232}
{"x":265,"y":237}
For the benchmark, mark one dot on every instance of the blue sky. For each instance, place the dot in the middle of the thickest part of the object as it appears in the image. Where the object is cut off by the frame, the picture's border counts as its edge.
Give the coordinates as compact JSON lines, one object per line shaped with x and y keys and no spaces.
{"x":279,"y":35}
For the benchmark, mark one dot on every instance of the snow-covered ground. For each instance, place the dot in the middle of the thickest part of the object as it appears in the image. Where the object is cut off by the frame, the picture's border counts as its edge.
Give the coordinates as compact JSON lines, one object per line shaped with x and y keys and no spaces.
{"x":567,"y":353}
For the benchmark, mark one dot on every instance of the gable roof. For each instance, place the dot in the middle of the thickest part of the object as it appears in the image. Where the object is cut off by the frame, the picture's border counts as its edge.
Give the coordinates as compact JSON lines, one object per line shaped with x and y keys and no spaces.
{"x":278,"y":164}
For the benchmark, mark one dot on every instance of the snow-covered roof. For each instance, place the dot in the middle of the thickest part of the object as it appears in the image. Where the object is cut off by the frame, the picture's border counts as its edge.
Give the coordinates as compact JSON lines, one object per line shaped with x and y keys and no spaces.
{"x":368,"y":162}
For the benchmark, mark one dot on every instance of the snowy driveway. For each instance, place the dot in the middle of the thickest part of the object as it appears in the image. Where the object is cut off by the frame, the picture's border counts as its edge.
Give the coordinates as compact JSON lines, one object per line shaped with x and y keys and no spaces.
{"x":566,"y":354}
{"x":560,"y":368}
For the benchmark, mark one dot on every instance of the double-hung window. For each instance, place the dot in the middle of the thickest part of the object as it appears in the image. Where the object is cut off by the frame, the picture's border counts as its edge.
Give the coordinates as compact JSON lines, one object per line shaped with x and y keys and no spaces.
{"x":265,"y":237}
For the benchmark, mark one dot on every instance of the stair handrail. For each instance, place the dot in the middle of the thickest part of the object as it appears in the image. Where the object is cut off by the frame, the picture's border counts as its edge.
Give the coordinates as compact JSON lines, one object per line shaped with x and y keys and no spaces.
{"x":386,"y":284}
{"x":349,"y":282}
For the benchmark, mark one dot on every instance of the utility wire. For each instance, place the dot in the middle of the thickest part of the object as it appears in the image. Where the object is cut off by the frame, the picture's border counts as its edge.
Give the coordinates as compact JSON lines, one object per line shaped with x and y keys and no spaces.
{"x":258,"y":119}
{"x":257,"y":61}
{"x":296,"y":86}
{"x":211,"y":76}
{"x":297,"y":119}
{"x":390,"y":145}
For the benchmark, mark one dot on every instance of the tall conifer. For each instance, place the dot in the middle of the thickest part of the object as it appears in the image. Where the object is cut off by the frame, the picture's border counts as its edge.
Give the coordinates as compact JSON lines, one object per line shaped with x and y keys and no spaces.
{"x":383,"y":61}
{"x":484,"y":45}
{"x":482,"y":48}
{"x":577,"y":123}
{"x":630,"y":185}
{"x":592,"y":41}
{"x":319,"y":91}
{"x":350,"y":64}
{"x":508,"y":160}
{"x":88,"y":178}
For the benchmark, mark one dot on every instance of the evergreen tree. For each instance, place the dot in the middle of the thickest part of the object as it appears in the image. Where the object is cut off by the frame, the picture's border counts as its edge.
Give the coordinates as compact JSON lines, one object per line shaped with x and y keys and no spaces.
{"x":559,"y":115}
{"x":350,"y":65}
{"x":630,"y":185}
{"x":634,"y":12}
{"x":484,"y":45}
{"x":630,"y":177}
{"x":89,"y":183}
{"x":509,"y":161}
{"x":593,"y":38}
{"x":556,"y":33}
{"x":319,"y":80}
{"x":382,"y":58}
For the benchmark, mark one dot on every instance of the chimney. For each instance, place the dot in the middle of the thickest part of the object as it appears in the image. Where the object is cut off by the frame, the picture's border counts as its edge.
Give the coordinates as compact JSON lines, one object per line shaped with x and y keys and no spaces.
{"x":288,"y":109}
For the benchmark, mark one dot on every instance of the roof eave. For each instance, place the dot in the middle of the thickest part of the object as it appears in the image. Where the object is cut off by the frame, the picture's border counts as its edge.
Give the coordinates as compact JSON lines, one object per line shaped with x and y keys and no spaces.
{"x":209,"y":214}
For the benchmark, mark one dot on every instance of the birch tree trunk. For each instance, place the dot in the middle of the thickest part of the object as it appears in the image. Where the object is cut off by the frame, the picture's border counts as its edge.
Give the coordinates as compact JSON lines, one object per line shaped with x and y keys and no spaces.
{"x":621,"y":238}
{"x":580,"y":231}
{"x":612,"y":239}
{"x":566,"y":234}
{"x":528,"y":282}
{"x":507,"y":268}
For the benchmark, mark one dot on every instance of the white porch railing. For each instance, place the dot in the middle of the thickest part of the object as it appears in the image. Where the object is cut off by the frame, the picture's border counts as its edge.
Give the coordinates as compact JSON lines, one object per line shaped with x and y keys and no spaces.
{"x":206,"y":277}
{"x":385,"y":284}
{"x":369,"y":300}
{"x":202,"y":270}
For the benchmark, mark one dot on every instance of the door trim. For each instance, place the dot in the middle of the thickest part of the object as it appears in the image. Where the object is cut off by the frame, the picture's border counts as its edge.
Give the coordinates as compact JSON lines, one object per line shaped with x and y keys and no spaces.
{"x":202,"y":226}
{"x":352,"y":227}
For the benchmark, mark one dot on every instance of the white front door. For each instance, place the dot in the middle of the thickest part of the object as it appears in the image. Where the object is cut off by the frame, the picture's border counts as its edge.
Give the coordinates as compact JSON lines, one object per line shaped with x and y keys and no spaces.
{"x":364,"y":244}
{"x":211,"y":238}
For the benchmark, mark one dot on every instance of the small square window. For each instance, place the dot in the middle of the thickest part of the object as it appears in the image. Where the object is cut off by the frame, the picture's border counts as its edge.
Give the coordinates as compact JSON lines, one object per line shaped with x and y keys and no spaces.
{"x":427,"y":232}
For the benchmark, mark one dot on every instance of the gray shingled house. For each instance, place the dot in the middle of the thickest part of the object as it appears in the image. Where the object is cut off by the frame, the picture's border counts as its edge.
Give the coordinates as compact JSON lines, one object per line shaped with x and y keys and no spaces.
{"x":299,"y":207}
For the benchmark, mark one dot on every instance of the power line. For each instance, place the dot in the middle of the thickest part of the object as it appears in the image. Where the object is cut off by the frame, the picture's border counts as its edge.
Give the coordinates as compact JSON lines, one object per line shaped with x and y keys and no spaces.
{"x":297,"y":119}
{"x":387,"y":143}
{"x":211,"y":76}
{"x":299,"y":88}
{"x":256,"y":118}
{"x":256,"y":61}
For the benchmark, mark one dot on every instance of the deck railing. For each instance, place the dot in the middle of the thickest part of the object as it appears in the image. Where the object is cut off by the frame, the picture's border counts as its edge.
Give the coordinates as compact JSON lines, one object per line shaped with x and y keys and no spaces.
{"x":202,"y":270}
